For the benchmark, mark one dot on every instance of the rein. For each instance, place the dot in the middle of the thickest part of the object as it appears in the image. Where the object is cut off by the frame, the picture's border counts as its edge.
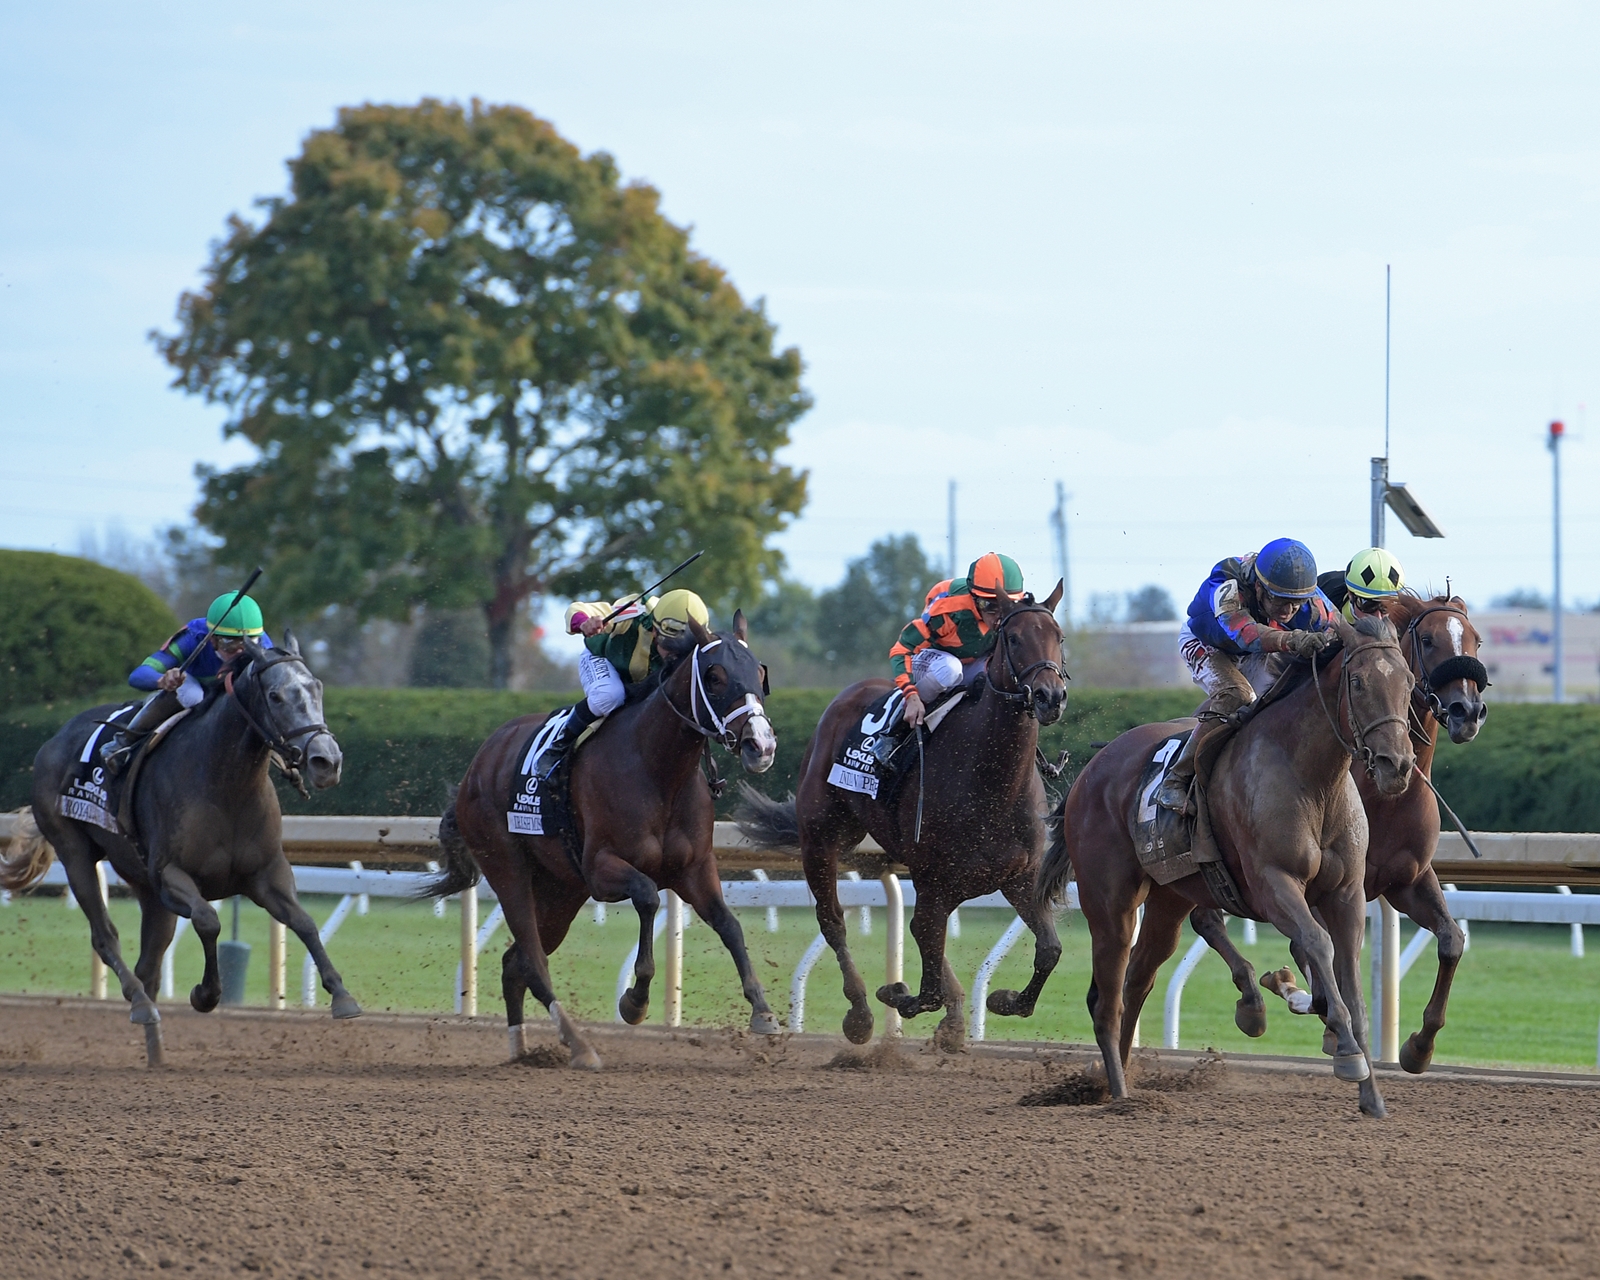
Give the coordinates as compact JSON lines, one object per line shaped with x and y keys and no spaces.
{"x":1023,"y":690}
{"x":723,"y":726}
{"x":1358,"y":750}
{"x":1459,"y":667}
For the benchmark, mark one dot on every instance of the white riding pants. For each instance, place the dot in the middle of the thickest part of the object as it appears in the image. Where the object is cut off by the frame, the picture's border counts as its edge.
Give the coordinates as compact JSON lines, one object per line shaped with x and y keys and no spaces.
{"x":936,"y":672}
{"x":602,"y":686}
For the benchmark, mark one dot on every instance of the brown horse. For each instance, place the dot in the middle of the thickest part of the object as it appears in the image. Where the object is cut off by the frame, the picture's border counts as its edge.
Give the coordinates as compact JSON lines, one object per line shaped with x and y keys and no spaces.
{"x":981,"y":805}
{"x":1288,"y":820}
{"x":1441,"y":646}
{"x":644,"y":820}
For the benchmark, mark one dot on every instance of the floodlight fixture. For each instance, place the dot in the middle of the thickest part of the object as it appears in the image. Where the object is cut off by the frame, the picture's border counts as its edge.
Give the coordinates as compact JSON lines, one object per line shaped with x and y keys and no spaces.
{"x":1418,"y":523}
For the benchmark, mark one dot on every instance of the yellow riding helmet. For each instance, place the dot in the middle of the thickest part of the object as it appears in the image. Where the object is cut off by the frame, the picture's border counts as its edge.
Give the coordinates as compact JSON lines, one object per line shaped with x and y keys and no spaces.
{"x":1374,"y":574}
{"x":671,"y":612}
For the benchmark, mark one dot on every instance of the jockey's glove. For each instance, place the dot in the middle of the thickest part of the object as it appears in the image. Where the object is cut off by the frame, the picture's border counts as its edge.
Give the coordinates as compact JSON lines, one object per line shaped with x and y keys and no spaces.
{"x":1306,"y":644}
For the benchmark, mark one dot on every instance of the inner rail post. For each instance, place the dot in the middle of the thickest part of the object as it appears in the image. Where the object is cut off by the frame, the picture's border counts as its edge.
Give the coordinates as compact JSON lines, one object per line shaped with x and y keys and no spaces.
{"x":894,"y":947}
{"x":469,"y":952}
{"x":672,"y":995}
{"x":277,"y":964}
{"x":97,"y":966}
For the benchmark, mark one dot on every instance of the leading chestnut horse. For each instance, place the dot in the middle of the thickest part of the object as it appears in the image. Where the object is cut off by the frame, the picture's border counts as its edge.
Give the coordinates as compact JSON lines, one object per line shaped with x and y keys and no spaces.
{"x":1441,"y":646}
{"x":1288,"y":821}
{"x":644,"y":819}
{"x":981,"y":805}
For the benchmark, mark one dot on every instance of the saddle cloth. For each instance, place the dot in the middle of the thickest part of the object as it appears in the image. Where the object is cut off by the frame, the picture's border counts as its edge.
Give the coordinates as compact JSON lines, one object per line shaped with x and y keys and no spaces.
{"x":543,"y":806}
{"x":869,"y":758}
{"x":87,"y":795}
{"x":1171,"y":845}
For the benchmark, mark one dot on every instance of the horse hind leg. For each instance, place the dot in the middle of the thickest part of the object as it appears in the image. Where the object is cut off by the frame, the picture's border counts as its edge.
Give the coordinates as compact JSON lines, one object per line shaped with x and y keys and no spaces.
{"x":78,"y":856}
{"x":1046,"y":955}
{"x":1250,"y":1012}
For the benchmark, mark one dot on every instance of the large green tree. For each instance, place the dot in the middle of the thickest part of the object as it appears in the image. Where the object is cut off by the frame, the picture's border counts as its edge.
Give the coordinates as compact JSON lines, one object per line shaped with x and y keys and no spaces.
{"x":480,"y":368}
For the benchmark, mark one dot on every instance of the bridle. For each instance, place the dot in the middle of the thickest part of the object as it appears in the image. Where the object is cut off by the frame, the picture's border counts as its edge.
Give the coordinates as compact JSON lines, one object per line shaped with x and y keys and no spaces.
{"x":722,"y":728}
{"x":1358,"y":750}
{"x":1019,"y":679}
{"x":1461,"y":666}
{"x":282,"y":742}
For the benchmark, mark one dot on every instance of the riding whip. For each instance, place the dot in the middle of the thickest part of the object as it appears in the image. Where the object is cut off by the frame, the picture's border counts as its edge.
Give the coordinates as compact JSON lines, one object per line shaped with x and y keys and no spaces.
{"x":1451,"y":814}
{"x":657,"y":583}
{"x":238,"y":596}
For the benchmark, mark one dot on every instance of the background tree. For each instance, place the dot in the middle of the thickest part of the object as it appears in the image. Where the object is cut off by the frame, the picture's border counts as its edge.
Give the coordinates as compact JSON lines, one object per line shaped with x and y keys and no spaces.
{"x":1151,"y":603}
{"x":859,"y":619}
{"x":478,"y":369}
{"x":1521,"y":598}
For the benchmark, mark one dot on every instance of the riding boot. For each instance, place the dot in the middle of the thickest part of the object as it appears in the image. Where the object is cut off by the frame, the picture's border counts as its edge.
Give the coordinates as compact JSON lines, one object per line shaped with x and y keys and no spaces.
{"x":117,"y":750}
{"x":1175,"y":787}
{"x":555,"y":751}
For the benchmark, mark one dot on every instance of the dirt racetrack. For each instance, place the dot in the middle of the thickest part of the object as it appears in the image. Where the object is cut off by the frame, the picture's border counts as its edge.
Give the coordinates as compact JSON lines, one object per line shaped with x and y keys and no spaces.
{"x":288,"y":1145}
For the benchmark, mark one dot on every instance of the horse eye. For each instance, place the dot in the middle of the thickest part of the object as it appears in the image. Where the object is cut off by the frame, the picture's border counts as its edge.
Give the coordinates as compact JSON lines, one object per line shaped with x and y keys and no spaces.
{"x":1355,"y":682}
{"x":275,"y":696}
{"x":1427,"y":642}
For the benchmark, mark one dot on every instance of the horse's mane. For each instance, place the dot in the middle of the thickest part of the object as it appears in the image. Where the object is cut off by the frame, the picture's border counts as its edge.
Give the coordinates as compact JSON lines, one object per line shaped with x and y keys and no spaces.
{"x":1408,"y":604}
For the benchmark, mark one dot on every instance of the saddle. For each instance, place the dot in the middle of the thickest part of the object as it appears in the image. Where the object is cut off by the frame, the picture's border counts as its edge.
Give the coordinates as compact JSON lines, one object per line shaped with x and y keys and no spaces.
{"x":87,"y":795}
{"x":1172,"y":845}
{"x":873,"y":758}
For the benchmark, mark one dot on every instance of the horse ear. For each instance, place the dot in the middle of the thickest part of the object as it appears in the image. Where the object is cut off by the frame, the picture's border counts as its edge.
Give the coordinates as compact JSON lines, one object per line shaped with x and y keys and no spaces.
{"x":290,"y":644}
{"x":1054,"y":598}
{"x":701,"y":634}
{"x":256,"y":652}
{"x":766,"y":688}
{"x":1346,"y":633}
{"x":741,"y":629}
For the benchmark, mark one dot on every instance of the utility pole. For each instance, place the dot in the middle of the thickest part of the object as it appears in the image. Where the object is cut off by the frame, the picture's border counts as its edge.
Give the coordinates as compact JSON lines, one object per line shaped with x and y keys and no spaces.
{"x":1559,"y":685}
{"x":951,"y":535}
{"x":1058,"y":522}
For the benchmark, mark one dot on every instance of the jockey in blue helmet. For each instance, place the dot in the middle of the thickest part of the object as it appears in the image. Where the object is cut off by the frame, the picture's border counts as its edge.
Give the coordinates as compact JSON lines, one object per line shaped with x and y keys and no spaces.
{"x":1250,"y":611}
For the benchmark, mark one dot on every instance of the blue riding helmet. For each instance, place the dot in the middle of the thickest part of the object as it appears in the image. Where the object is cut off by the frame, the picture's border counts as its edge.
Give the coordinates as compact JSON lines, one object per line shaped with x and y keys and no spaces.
{"x":1287,"y":568}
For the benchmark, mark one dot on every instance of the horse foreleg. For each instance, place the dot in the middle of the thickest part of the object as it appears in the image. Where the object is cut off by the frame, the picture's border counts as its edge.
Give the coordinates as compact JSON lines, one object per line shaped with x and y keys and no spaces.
{"x":1288,"y":911}
{"x":702,"y":890}
{"x":1046,"y":955}
{"x":156,"y":926}
{"x":1164,"y":914}
{"x":178,"y":886}
{"x":273,"y":891}
{"x":80,"y":868}
{"x":1250,"y":1012}
{"x":611,"y":879}
{"x":929,"y":922}
{"x":1424,"y":903}
{"x":1345,"y":914}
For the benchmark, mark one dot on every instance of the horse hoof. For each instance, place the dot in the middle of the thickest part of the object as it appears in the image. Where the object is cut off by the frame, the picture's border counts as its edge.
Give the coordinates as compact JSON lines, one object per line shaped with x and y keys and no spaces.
{"x":1351,"y":1067}
{"x":584,"y":1059}
{"x":1007,"y":1004}
{"x":203,"y":1001}
{"x":858,"y":1024}
{"x":893,"y":993}
{"x":1412,"y":1059}
{"x":1250,"y":1018}
{"x":145,"y":1014}
{"x":764,"y":1024}
{"x":1330,"y":1042}
{"x":632,"y":1009}
{"x":345,"y":1006}
{"x":949,"y":1037}
{"x":1373,"y":1106}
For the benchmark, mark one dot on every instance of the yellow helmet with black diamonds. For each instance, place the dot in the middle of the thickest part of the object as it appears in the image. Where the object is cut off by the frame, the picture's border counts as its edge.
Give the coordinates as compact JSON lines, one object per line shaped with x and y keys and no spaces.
{"x":1374,"y":574}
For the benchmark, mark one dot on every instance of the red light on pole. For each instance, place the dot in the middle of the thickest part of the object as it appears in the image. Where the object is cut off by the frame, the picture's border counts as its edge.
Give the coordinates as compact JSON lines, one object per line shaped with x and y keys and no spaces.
{"x":1557,"y":429}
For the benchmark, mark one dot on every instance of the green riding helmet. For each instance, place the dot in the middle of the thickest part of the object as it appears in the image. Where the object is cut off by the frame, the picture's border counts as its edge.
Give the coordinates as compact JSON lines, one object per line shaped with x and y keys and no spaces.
{"x":228,"y":619}
{"x":993,"y":573}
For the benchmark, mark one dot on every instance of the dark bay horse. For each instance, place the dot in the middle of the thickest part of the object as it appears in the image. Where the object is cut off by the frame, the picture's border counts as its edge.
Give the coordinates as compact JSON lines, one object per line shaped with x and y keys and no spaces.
{"x":1441,"y":646}
{"x":644,"y":819}
{"x":1289,"y":822}
{"x":982,"y":804}
{"x":206,"y":814}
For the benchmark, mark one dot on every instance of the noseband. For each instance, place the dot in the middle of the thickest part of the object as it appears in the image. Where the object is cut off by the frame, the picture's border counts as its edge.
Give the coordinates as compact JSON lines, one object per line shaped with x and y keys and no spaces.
{"x":1019,"y":679}
{"x":293,"y":756}
{"x":1457,"y":667}
{"x":722,"y":727}
{"x":1359,"y":750}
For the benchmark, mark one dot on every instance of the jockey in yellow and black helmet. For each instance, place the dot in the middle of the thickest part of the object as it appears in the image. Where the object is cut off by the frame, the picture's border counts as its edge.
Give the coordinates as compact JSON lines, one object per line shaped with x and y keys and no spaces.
{"x":1371,"y":579}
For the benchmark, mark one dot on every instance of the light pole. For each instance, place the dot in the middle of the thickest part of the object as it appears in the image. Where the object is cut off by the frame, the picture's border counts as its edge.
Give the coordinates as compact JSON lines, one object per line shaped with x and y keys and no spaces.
{"x":1559,"y":683}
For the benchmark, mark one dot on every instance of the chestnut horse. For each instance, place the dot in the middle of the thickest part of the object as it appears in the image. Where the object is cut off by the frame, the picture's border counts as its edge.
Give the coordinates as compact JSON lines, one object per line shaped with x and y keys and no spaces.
{"x":981,"y":804}
{"x":644,"y":819}
{"x":1288,"y":820}
{"x":1441,"y":645}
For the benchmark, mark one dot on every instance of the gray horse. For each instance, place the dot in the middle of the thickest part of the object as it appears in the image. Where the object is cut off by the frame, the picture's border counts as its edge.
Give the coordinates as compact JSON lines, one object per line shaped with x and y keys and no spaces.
{"x":206,"y":818}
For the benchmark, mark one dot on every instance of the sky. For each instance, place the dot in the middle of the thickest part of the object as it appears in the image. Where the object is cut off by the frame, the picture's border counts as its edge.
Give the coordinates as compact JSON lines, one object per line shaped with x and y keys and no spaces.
{"x":1137,"y":249}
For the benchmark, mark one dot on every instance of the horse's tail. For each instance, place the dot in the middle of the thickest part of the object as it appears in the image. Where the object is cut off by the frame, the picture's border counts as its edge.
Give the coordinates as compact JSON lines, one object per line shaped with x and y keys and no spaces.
{"x":460,"y":867}
{"x":29,"y":856}
{"x":1055,"y":868}
{"x":769,"y":823}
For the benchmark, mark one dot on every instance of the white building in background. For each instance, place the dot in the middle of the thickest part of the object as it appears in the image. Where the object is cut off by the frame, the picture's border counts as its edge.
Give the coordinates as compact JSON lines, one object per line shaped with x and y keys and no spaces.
{"x":1519,"y":651}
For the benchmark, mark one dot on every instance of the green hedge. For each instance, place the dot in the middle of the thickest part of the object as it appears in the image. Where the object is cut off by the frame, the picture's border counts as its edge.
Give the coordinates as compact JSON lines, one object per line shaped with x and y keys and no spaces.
{"x":1533,"y":768}
{"x":70,"y":626}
